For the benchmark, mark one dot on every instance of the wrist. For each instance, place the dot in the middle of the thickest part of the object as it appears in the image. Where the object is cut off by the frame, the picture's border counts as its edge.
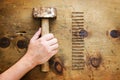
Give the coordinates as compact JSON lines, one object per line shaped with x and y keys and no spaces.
{"x":28,"y":61}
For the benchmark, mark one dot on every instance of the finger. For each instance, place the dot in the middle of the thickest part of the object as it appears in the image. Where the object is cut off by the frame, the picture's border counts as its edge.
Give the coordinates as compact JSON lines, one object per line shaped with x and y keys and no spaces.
{"x":48,"y":36}
{"x":37,"y":34}
{"x":52,"y":41}
{"x":54,"y":47}
{"x":53,"y":52}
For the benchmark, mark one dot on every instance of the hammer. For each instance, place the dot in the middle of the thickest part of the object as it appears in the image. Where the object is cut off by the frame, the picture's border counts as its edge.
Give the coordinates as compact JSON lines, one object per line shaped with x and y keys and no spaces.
{"x":44,"y":13}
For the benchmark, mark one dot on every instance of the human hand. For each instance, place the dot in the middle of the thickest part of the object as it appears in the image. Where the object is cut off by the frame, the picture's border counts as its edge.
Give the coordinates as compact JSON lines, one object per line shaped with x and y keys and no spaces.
{"x":40,"y":50}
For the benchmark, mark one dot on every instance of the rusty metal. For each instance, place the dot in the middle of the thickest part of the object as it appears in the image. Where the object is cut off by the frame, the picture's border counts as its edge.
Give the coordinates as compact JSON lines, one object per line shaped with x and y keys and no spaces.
{"x":44,"y":12}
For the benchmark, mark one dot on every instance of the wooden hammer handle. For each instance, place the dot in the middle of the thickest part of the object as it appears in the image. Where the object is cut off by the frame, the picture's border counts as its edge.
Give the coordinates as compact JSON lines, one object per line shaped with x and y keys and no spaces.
{"x":45,"y":30}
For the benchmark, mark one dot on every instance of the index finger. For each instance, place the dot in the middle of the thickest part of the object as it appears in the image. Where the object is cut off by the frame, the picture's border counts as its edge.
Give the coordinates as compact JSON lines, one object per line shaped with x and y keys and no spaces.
{"x":48,"y":36}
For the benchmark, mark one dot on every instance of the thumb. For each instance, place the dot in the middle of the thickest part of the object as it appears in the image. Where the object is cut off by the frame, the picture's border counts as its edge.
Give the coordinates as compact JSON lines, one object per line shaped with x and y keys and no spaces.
{"x":37,"y":34}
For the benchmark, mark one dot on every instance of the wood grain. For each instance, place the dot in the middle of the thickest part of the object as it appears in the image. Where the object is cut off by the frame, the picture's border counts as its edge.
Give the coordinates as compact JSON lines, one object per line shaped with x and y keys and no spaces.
{"x":100,"y":17}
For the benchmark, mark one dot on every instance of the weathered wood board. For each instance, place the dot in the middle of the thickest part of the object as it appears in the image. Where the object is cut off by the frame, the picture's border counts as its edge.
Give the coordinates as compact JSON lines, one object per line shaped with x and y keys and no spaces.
{"x":101,"y":51}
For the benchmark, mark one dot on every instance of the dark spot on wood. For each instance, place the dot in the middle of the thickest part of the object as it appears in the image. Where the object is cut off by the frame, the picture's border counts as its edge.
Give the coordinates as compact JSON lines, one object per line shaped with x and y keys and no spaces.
{"x":4,"y":42}
{"x":114,"y":33}
{"x":117,"y":68}
{"x":83,"y":33}
{"x":95,"y":61}
{"x":51,"y":62}
{"x":58,"y":67}
{"x":22,"y":44}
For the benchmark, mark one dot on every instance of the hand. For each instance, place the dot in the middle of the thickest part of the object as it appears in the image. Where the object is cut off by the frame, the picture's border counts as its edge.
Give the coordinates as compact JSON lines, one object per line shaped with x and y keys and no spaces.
{"x":40,"y":50}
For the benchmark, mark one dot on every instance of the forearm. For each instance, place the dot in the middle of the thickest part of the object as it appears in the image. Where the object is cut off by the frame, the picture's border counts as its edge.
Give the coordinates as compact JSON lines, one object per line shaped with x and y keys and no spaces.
{"x":18,"y":70}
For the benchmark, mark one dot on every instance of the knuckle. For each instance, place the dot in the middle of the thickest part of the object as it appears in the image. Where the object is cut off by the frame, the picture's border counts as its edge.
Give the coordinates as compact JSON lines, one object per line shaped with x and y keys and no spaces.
{"x":51,"y":35}
{"x":55,"y":39}
{"x":55,"y":52}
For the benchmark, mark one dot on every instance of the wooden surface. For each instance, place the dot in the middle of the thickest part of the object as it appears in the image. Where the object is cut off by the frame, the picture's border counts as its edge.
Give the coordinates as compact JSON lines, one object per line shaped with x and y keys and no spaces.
{"x":100,"y":17}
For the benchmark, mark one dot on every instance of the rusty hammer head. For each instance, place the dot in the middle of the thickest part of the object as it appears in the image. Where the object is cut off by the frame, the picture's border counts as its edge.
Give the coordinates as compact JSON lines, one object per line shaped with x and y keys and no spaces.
{"x":46,"y":12}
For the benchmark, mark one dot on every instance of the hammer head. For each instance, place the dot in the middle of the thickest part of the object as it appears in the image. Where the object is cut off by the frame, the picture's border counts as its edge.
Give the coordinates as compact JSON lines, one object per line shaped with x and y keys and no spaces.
{"x":46,"y":12}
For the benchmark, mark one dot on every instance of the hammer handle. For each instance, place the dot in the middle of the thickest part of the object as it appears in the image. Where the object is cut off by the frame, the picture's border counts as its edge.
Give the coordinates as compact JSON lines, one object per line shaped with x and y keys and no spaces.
{"x":45,"y":30}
